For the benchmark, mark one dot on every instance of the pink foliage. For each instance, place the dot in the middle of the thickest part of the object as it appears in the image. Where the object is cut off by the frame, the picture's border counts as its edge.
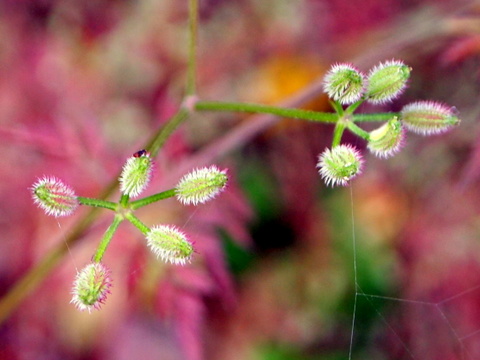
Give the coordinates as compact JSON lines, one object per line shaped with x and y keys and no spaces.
{"x":84,"y":84}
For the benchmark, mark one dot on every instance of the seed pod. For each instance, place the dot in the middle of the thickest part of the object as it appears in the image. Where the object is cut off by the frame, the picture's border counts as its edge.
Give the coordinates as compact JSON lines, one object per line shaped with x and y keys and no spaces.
{"x":429,"y":117}
{"x":388,"y":139}
{"x":136,"y":174}
{"x":201,"y":185}
{"x":91,"y":287}
{"x":340,"y":165}
{"x":344,"y":83}
{"x":387,"y":81}
{"x":170,"y":244}
{"x":54,"y":197}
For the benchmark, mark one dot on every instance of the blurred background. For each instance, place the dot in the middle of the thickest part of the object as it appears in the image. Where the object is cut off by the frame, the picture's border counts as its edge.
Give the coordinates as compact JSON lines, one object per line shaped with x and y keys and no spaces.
{"x":84,"y":84}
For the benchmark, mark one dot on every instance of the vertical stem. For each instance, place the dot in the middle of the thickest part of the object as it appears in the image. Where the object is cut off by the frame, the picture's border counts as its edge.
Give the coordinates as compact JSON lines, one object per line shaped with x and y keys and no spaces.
{"x":124,"y":200}
{"x":192,"y":46}
{"x":107,"y":237}
{"x":338,"y":132}
{"x":337,"y":107}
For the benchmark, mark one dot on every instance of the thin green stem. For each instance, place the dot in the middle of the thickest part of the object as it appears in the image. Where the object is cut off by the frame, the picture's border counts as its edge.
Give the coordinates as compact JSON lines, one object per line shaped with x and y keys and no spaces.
{"x":192,"y":46}
{"x":295,"y":113}
{"x":107,"y":237}
{"x":354,"y":128}
{"x":338,"y":132}
{"x":151,"y":199}
{"x":374,"y":117}
{"x":124,"y":200}
{"x":137,"y":222}
{"x":266,"y":109}
{"x":164,"y":133}
{"x":350,"y":110}
{"x":97,"y":203}
{"x":337,"y":107}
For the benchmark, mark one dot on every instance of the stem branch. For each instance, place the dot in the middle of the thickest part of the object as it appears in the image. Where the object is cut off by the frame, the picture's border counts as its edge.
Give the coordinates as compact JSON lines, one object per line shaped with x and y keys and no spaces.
{"x":192,"y":46}
{"x":97,"y":203}
{"x":107,"y":237}
{"x":163,"y":134}
{"x":151,"y":199}
{"x":354,"y":128}
{"x":266,"y":109}
{"x":138,"y":223}
{"x":373,"y":117}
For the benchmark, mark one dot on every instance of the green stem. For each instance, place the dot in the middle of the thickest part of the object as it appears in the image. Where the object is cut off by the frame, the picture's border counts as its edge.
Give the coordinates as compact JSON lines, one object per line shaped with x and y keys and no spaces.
{"x":266,"y":109}
{"x":124,"y":200}
{"x":192,"y":46}
{"x":354,"y":106}
{"x":374,"y":117}
{"x":107,"y":237}
{"x":354,"y":128}
{"x":164,"y":133}
{"x":337,"y":133}
{"x":337,"y":107}
{"x":97,"y":203}
{"x":151,"y":199}
{"x":138,"y":223}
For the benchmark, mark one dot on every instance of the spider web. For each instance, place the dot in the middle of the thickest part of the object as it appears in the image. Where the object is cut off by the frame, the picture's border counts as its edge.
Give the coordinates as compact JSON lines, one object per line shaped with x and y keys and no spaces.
{"x":437,"y":332}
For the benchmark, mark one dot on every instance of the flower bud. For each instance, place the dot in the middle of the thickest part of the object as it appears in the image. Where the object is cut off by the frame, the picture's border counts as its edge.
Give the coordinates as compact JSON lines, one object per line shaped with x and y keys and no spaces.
{"x":136,"y":174}
{"x":339,"y":165}
{"x":386,"y":81}
{"x":170,"y":244}
{"x":344,"y":83}
{"x":428,"y":117}
{"x":387,"y":140}
{"x":54,"y":197}
{"x":91,"y":287}
{"x":201,"y":185}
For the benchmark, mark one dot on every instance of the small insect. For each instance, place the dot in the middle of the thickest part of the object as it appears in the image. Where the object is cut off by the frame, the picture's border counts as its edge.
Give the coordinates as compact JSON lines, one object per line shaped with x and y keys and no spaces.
{"x":140,"y":153}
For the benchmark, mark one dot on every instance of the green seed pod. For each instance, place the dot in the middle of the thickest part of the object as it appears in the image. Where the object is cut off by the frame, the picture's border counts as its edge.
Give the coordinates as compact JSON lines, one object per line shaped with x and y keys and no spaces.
{"x":340,"y":165}
{"x":388,"y":139}
{"x":91,"y":287}
{"x":387,"y":81}
{"x":201,"y":185}
{"x":428,"y":117}
{"x":170,"y":244}
{"x":344,"y":83}
{"x":136,"y":174}
{"x":54,"y":197}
